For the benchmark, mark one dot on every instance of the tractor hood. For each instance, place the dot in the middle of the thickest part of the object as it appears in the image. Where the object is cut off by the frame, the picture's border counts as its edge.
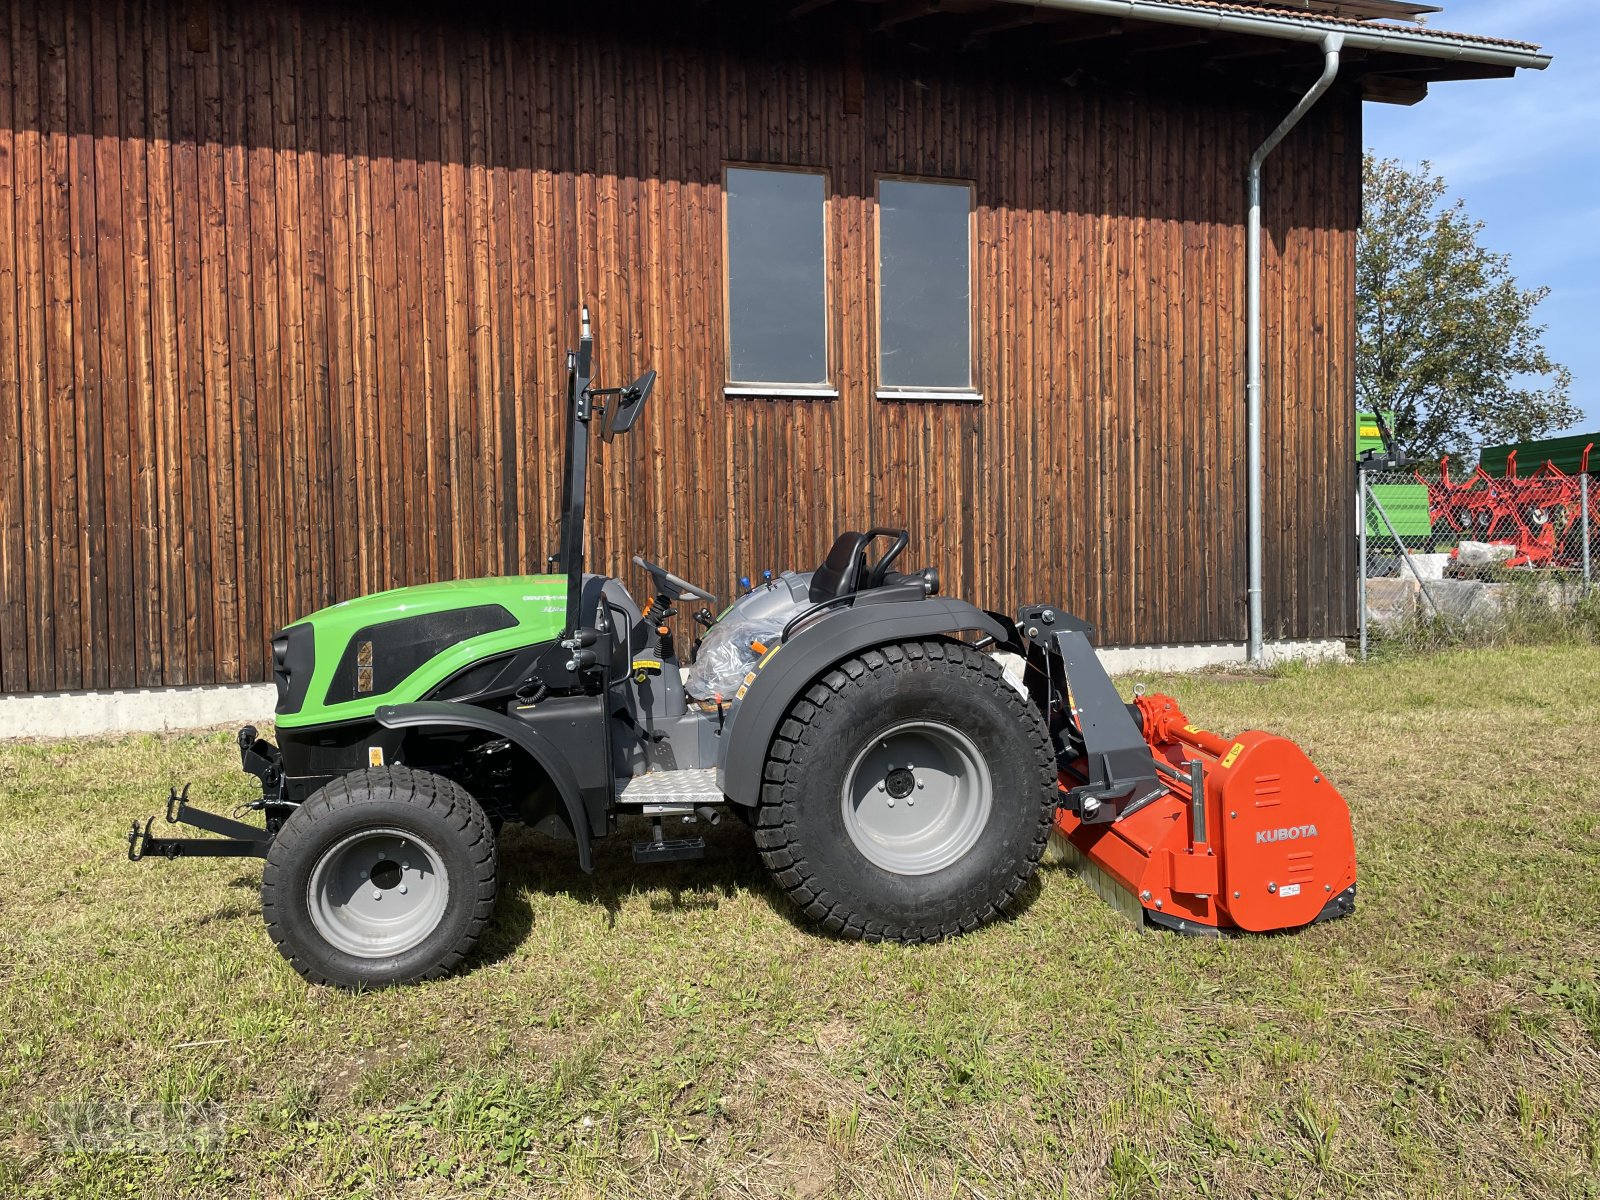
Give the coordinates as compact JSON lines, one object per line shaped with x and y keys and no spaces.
{"x":341,"y":662}
{"x":512,"y":591}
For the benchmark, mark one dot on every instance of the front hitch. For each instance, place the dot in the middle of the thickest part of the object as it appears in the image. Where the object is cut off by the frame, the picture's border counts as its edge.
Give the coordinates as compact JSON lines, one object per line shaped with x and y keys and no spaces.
{"x":235,"y":839}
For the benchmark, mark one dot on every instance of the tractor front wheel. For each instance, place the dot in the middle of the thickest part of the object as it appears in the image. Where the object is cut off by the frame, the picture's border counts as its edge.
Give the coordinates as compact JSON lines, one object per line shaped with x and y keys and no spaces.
{"x":908,"y":795}
{"x":385,"y":876}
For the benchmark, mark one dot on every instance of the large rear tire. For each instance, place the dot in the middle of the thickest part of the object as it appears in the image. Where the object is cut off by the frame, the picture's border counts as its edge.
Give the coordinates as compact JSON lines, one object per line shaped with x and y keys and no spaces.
{"x":382,"y":877}
{"x":908,"y":795}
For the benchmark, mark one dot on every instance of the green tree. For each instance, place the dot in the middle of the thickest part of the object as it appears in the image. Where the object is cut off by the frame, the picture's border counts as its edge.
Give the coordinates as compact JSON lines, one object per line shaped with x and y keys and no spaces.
{"x":1446,"y":336}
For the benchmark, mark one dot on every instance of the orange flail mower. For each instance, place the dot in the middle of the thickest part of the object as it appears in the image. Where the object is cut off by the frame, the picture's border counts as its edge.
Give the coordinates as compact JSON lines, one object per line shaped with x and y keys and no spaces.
{"x":1178,"y":827}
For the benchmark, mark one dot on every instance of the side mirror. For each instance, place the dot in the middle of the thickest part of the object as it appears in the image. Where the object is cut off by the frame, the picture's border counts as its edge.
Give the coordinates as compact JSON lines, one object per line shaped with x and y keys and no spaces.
{"x":628,"y":404}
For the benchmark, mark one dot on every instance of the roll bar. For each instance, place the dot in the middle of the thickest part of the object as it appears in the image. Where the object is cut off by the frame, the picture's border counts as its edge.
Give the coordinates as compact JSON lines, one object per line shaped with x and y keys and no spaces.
{"x":626,"y":405}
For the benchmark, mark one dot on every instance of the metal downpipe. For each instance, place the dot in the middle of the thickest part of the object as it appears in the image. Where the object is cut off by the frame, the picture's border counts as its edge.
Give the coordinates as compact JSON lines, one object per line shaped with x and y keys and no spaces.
{"x":1332,"y":47}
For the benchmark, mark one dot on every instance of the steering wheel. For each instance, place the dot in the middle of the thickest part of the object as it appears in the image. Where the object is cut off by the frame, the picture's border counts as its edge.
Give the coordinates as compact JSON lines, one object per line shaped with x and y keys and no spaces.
{"x":669,"y":585}
{"x":875,"y":574}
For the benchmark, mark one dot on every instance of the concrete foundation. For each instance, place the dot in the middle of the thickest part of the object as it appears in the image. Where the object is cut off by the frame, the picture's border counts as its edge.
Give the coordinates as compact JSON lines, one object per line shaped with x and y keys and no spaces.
{"x":1134,"y":660}
{"x":84,"y":714}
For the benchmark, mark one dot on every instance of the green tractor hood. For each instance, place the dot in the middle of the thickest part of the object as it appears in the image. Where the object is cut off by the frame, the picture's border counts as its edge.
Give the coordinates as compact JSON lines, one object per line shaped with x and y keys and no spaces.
{"x":341,"y":663}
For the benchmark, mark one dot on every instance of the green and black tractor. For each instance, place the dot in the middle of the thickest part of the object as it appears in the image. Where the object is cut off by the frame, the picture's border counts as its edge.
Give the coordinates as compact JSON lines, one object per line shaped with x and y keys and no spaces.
{"x":900,"y":787}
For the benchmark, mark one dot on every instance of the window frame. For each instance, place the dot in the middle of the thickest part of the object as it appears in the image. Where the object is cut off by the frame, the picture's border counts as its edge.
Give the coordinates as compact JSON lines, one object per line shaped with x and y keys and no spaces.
{"x":971,"y":393}
{"x":743,"y":388}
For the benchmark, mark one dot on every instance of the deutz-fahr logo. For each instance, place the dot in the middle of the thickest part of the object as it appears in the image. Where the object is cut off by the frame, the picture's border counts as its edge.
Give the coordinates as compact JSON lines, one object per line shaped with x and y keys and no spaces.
{"x":1285,"y":835}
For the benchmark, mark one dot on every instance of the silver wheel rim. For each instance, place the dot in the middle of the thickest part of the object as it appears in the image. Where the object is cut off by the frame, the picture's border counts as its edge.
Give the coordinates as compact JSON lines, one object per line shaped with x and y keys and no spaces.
{"x":917,"y":798}
{"x":378,"y":893}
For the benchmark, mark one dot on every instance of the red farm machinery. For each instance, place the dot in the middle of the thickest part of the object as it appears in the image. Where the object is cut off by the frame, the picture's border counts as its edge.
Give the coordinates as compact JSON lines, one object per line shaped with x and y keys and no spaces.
{"x":1540,"y":515}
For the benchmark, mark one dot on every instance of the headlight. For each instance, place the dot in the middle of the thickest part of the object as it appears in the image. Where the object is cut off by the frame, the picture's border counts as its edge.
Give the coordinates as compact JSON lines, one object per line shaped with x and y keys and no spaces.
{"x":293,"y":656}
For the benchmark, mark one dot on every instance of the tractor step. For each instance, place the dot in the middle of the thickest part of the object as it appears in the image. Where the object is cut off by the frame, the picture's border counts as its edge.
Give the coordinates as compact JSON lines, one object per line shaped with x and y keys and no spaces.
{"x":670,"y":794}
{"x":669,"y":850}
{"x":689,"y":789}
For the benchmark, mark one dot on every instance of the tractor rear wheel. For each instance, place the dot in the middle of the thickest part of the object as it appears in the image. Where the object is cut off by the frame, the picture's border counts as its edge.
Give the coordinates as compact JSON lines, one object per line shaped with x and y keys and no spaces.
{"x":908,"y":795}
{"x":382,"y":877}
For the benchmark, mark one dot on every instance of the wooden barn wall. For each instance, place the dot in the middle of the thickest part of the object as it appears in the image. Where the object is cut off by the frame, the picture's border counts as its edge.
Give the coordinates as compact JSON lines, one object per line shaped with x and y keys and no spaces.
{"x":284,"y":293}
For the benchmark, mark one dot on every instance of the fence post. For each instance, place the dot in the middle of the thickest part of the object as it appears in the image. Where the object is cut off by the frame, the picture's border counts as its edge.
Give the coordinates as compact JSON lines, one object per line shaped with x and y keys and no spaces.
{"x":1587,"y":578}
{"x":1361,"y":571}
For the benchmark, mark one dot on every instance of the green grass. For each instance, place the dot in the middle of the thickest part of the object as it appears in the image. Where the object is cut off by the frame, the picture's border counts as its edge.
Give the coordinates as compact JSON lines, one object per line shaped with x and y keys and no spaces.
{"x":672,"y":1032}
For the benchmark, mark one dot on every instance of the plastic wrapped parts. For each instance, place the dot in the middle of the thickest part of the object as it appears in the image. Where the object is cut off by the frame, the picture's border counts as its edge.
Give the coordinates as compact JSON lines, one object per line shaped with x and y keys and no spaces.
{"x":750,"y":627}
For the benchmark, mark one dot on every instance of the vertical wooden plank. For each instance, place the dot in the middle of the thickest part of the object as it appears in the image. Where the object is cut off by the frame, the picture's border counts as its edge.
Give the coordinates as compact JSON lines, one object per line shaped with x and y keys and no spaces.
{"x":520,"y":482}
{"x":1171,"y":274}
{"x":80,"y":448}
{"x":597,"y":220}
{"x":13,"y":569}
{"x":188,"y":433}
{"x":1039,"y":489}
{"x":133,"y":54}
{"x":1047,"y":365}
{"x":216,"y":434}
{"x":329,"y":39}
{"x":29,"y":154}
{"x":1071,"y":245}
{"x":499,"y":490}
{"x":1156,"y":518}
{"x":102,"y":224}
{"x":410,"y":410}
{"x":166,"y":460}
{"x":372,"y":555}
{"x":1284,"y":524}
{"x":1239,"y":138}
{"x":241,"y":548}
{"x":542,"y":327}
{"x":1349,"y":184}
{"x":296,"y":460}
{"x":274,"y":533}
{"x":306,"y":35}
{"x":1185,"y":367}
{"x":1308,"y":586}
{"x":1201,"y":357}
{"x":1092,"y":269}
{"x":477,"y":552}
{"x":692,"y":206}
{"x":452,"y":416}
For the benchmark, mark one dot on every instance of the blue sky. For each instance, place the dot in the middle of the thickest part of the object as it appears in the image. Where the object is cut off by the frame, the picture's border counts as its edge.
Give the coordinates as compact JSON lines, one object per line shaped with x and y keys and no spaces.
{"x":1525,"y":155}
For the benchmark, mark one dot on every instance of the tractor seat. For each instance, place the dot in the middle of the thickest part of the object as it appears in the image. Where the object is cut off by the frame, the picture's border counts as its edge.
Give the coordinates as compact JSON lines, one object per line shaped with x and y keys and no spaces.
{"x":840,"y":572}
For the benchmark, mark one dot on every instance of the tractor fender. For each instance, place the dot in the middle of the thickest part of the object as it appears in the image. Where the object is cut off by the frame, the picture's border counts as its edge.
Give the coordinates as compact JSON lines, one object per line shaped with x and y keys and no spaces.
{"x":441,"y":714}
{"x":785,"y":673}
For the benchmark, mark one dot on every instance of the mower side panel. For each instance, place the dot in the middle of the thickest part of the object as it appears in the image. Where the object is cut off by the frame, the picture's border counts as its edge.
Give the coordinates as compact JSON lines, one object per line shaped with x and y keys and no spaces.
{"x":784,"y":673}
{"x":1287,"y":840}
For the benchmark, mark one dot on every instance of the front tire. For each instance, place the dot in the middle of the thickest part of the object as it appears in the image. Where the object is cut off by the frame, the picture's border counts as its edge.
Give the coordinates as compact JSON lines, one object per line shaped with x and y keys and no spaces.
{"x":382,"y":877}
{"x":930,"y":723}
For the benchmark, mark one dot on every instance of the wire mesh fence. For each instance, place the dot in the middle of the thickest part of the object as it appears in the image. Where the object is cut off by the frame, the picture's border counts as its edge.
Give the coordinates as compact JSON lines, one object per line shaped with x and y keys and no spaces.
{"x":1442,"y":551}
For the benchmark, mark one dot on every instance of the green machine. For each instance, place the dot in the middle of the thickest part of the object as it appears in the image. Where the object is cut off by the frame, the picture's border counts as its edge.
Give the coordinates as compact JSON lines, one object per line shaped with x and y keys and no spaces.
{"x":898,"y":786}
{"x":1572,"y":454}
{"x":1405,"y":504}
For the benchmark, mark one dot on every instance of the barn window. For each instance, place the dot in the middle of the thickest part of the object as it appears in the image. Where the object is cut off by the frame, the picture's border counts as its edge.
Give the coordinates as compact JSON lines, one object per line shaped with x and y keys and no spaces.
{"x":924,"y":290}
{"x":777,"y":297}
